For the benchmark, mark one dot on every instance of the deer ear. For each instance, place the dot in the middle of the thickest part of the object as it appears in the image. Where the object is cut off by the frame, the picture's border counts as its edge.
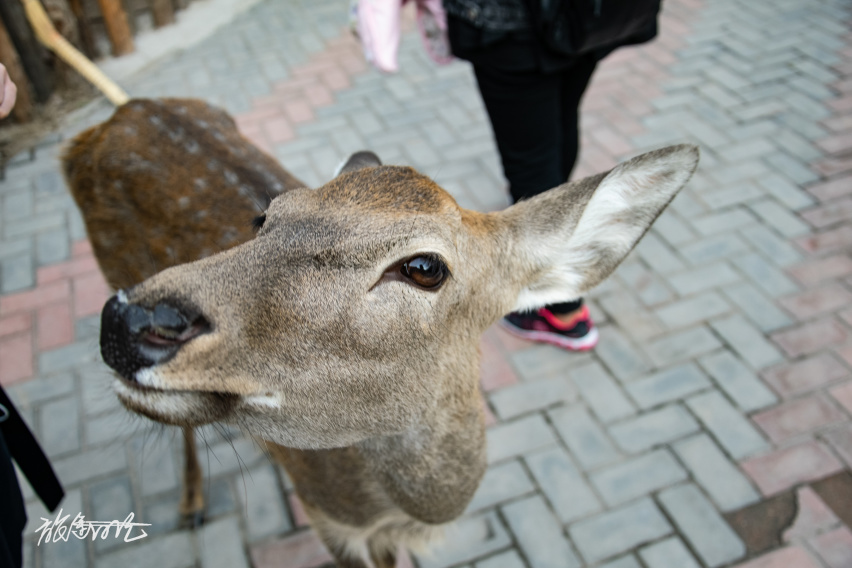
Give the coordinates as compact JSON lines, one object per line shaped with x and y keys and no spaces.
{"x":358,"y":161}
{"x":569,"y":239}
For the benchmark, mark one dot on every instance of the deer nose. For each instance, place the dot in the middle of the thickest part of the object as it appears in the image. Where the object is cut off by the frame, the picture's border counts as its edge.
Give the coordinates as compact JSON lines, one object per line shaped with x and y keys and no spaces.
{"x":134,"y":337}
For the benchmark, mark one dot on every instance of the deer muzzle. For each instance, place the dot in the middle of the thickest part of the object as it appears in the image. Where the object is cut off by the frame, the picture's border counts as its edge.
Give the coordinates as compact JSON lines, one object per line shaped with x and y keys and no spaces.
{"x":134,"y":337}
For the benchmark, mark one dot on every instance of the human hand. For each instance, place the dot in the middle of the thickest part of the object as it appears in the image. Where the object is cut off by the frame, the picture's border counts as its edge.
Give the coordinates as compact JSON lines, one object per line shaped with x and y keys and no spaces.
{"x":8,"y":92}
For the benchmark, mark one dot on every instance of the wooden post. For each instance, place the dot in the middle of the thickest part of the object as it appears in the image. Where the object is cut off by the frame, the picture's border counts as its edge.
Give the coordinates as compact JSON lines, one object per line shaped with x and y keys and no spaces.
{"x":9,"y":56}
{"x":116,"y":24}
{"x":164,"y":12}
{"x":86,"y":37}
{"x":31,"y":53}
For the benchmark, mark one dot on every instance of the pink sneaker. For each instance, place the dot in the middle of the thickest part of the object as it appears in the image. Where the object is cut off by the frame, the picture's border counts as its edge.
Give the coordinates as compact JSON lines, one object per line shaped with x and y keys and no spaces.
{"x":580,"y":334}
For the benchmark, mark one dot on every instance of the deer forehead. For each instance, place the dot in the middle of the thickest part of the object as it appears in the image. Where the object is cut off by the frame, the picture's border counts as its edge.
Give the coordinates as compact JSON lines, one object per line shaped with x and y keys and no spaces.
{"x":364,"y":217}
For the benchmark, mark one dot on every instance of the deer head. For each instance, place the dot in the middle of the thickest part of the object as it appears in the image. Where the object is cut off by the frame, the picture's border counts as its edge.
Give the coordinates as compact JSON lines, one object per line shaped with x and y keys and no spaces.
{"x":356,"y":311}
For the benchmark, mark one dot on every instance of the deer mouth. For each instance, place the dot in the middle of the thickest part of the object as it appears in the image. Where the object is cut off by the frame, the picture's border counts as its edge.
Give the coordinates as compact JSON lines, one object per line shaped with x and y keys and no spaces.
{"x":175,"y":407}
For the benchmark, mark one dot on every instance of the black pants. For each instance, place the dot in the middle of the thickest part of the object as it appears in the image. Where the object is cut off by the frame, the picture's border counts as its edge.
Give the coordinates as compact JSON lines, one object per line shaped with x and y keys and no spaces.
{"x":535,"y":118}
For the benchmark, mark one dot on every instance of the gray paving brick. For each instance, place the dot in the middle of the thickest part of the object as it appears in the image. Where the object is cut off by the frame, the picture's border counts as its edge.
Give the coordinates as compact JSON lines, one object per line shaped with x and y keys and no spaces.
{"x":621,"y":358}
{"x":27,"y":394}
{"x":722,"y":480}
{"x":708,"y":533}
{"x":668,"y":385}
{"x":67,"y":357}
{"x":16,"y":273}
{"x":772,"y":246}
{"x":747,"y":149}
{"x":509,"y":559}
{"x":742,"y":171}
{"x":713,"y":248}
{"x":71,"y":554}
{"x":59,"y":431}
{"x":631,"y":316}
{"x":519,"y":437}
{"x":792,"y":168}
{"x":733,"y":431}
{"x":112,"y":500}
{"x":779,"y":218}
{"x":52,"y":247}
{"x":90,"y":464}
{"x":563,"y":484}
{"x":668,"y":553}
{"x":623,"y":562}
{"x":703,"y":278}
{"x":533,"y":395}
{"x":263,"y":503}
{"x":673,"y":229}
{"x":762,"y":312}
{"x":539,"y":534}
{"x":797,"y":145}
{"x":469,"y":538}
{"x":501,"y":483}
{"x":637,"y":477}
{"x":95,"y":381}
{"x":33,"y":225}
{"x":154,"y":464}
{"x":723,"y":221}
{"x":693,"y":310}
{"x":748,"y":342}
{"x":10,"y":248}
{"x":168,"y":551}
{"x":741,"y":385}
{"x":646,"y":285}
{"x":619,"y":530}
{"x":544,"y":362}
{"x":658,"y":255}
{"x":653,"y":428}
{"x":49,"y":182}
{"x":601,"y":392}
{"x":677,"y":347}
{"x":584,"y":437}
{"x":221,"y":545}
{"x":785,"y":191}
{"x":17,"y":205}
{"x":765,"y":275}
{"x":229,"y":456}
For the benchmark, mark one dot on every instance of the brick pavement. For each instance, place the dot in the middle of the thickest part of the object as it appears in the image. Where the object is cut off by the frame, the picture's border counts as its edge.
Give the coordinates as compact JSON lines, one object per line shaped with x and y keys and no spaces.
{"x":711,"y":427}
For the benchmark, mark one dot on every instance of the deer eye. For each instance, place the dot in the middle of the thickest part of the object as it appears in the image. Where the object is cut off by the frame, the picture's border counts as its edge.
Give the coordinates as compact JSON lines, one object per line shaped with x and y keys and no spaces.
{"x":427,"y":271}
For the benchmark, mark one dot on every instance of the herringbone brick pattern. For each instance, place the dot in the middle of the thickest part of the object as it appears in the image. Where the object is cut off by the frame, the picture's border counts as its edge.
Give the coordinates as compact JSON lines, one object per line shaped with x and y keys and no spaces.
{"x":711,"y":427}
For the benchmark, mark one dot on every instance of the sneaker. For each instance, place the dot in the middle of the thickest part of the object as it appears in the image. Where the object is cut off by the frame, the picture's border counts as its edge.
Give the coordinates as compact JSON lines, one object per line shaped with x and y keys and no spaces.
{"x":580,"y":334}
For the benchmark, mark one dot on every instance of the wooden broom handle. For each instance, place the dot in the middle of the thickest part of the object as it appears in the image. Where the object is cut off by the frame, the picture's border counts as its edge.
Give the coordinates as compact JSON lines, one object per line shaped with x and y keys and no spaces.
{"x":48,"y":35}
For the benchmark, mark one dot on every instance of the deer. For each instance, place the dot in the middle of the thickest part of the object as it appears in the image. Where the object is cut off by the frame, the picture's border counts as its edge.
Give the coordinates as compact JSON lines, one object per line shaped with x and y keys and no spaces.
{"x":345,"y":333}
{"x":165,"y":182}
{"x":138,"y":179}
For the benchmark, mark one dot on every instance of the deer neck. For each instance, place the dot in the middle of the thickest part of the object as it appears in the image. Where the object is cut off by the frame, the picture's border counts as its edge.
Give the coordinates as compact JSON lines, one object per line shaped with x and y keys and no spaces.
{"x":432,"y":470}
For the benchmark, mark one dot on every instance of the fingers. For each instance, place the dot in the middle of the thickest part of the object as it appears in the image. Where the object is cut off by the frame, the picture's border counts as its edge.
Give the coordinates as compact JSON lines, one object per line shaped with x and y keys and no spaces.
{"x":8,"y":92}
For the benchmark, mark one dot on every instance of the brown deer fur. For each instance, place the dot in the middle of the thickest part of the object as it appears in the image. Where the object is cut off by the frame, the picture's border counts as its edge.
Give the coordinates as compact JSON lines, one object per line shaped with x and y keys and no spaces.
{"x":161,"y":183}
{"x":315,"y":338}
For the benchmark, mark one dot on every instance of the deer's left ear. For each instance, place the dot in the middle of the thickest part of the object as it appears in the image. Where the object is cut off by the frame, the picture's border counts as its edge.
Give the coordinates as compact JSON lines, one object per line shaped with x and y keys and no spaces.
{"x":357,"y":161}
{"x":567,"y":240}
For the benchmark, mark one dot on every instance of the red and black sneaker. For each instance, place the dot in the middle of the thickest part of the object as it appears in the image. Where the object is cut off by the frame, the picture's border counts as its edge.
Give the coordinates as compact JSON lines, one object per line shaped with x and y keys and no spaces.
{"x":580,"y":334}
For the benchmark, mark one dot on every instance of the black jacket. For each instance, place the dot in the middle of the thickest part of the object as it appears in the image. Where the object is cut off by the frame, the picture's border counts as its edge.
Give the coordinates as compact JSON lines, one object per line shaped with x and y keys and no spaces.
{"x":492,"y":31}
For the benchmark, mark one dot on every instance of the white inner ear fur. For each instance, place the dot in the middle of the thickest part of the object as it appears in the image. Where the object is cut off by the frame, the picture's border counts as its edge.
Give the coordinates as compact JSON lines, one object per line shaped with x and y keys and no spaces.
{"x":623,"y":206}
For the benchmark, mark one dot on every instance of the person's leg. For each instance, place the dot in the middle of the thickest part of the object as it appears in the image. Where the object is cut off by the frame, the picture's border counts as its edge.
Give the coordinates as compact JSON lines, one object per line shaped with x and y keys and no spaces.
{"x":524,"y":108}
{"x":526,"y":112}
{"x":575,"y":80}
